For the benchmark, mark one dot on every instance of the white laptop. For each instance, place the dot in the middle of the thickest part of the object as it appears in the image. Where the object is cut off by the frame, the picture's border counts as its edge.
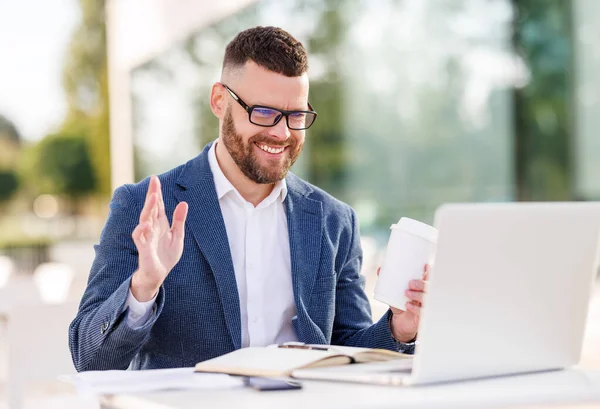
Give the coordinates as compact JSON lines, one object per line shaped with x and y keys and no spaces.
{"x":508,"y":294}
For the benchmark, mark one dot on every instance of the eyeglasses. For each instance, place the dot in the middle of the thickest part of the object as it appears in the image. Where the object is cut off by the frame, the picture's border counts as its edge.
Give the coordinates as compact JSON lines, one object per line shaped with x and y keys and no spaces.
{"x":266,"y":116}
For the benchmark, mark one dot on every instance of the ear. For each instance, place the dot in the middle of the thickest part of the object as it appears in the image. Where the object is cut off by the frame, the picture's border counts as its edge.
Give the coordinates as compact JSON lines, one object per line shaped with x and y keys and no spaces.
{"x":218,"y":104}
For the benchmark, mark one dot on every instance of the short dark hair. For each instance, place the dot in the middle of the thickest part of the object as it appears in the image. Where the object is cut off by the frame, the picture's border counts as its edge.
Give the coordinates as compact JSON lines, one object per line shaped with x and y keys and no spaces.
{"x":271,"y":48}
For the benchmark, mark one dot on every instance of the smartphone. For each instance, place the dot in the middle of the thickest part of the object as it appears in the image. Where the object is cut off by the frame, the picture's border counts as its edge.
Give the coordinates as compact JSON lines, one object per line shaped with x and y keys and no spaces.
{"x":270,"y":384}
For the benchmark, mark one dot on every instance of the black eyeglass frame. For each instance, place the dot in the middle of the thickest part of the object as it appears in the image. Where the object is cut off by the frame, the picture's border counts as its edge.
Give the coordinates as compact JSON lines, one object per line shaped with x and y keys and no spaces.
{"x":284,"y":113}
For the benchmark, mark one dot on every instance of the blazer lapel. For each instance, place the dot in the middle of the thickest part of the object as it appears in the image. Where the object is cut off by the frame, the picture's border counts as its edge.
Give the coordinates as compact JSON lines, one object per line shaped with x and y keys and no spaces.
{"x":205,"y":222}
{"x":305,"y":225}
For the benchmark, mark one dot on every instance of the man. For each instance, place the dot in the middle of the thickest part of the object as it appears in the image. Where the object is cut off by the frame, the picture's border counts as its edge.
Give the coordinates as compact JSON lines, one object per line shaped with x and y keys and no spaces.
{"x":261,"y":256}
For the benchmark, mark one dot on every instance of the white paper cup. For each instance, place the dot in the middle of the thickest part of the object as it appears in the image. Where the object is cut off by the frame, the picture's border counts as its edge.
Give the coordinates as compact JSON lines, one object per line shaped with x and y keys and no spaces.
{"x":411,"y":246}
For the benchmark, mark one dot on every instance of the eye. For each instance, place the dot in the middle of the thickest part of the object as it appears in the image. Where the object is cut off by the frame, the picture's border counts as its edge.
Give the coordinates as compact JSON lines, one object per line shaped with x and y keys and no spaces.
{"x":264,"y":112}
{"x":297,"y":119}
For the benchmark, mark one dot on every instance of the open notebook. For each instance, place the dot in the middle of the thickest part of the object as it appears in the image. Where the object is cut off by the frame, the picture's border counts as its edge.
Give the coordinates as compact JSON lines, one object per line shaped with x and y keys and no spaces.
{"x":273,"y":361}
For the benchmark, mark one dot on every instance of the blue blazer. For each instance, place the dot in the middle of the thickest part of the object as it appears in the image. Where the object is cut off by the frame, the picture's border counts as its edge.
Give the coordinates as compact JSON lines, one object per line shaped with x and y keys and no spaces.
{"x":197,"y":311}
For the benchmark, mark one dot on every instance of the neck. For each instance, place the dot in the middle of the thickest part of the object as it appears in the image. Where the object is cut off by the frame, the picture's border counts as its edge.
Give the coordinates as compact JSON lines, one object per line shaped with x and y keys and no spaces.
{"x":251,"y":191}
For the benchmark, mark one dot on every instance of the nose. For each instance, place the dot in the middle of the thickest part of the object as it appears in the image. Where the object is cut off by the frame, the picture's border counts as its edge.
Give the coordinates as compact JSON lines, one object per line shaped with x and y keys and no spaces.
{"x":281,"y":130}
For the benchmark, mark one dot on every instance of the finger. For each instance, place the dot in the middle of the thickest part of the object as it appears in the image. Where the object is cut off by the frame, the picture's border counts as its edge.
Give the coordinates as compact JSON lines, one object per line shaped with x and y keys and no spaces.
{"x":414,"y":295}
{"x":419,"y":285}
{"x":140,"y":234}
{"x":154,"y":212}
{"x":146,"y":214}
{"x":396,"y":311}
{"x":179,"y":217}
{"x":161,"y":215}
{"x":416,"y":285}
{"x":151,"y":186}
{"x":415,"y":309}
{"x":378,"y":270}
{"x":418,"y":304}
{"x":428,"y":268}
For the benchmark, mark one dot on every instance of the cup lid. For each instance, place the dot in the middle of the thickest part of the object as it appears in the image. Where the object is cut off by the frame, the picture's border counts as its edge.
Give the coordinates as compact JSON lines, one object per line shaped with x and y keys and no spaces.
{"x":417,"y":228}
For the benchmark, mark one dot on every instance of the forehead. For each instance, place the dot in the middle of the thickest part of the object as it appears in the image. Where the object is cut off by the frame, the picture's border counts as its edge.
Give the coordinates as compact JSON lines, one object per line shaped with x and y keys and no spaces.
{"x":259,"y":86}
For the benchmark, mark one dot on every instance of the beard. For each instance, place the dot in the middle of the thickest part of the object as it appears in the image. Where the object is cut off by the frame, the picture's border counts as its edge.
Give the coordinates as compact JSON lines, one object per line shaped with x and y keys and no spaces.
{"x":244,"y":155}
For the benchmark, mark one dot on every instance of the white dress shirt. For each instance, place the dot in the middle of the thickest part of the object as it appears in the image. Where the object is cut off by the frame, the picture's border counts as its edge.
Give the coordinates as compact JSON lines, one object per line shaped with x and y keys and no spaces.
{"x":260,"y":251}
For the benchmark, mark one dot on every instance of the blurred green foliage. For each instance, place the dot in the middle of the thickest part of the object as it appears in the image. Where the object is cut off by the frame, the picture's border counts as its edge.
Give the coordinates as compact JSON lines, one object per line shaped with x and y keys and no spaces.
{"x":85,"y":81}
{"x":10,"y":142}
{"x":9,"y":131}
{"x":73,"y":161}
{"x":9,"y":185}
{"x":60,"y":164}
{"x":543,"y":37}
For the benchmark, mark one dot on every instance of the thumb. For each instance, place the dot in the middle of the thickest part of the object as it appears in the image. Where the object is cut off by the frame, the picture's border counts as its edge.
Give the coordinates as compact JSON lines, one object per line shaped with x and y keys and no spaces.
{"x":396,"y":311}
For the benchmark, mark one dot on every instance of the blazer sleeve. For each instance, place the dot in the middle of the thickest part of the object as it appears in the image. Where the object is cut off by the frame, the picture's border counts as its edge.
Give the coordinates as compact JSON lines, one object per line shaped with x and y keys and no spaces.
{"x":99,"y":337}
{"x":353,"y":324}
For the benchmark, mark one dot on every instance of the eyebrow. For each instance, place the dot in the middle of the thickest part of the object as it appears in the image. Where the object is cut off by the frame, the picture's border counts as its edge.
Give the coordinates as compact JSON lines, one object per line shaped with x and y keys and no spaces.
{"x":308,"y":108}
{"x":275,"y":107}
{"x":282,"y":109}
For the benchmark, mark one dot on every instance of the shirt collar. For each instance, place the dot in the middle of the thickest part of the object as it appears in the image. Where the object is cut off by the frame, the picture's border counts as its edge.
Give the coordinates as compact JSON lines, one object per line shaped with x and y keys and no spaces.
{"x":223,"y":186}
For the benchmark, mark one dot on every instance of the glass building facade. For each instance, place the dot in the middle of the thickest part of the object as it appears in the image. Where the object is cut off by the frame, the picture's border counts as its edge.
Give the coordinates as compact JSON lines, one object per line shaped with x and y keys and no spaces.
{"x":420,"y":102}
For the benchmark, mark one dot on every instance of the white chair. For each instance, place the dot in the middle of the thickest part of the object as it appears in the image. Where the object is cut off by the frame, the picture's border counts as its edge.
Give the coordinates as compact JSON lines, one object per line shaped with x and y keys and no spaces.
{"x":7,"y":268}
{"x":38,"y":346}
{"x":18,"y":291}
{"x":53,"y":281}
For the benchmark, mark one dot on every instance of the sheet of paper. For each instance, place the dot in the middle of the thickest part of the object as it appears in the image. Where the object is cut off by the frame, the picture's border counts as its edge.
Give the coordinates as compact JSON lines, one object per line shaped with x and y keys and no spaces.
{"x":118,"y":382}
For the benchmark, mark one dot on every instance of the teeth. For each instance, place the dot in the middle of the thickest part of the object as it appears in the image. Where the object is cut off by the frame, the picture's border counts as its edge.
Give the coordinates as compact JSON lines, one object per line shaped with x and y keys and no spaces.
{"x":270,"y":149}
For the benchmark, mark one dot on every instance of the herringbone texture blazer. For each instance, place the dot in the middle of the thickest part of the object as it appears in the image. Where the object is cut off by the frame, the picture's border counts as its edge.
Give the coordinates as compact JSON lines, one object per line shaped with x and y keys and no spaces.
{"x":197,"y":312}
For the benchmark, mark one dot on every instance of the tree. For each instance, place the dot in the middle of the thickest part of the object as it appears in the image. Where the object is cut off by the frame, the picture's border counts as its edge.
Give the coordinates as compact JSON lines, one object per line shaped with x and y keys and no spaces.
{"x":9,"y":131}
{"x":10,"y":143}
{"x":85,"y":82}
{"x":63,"y":166}
{"x":543,"y":37}
{"x":9,"y":184}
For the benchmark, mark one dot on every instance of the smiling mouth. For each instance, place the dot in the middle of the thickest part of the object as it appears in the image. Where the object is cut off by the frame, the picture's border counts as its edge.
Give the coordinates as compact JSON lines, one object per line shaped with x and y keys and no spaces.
{"x":270,"y":149}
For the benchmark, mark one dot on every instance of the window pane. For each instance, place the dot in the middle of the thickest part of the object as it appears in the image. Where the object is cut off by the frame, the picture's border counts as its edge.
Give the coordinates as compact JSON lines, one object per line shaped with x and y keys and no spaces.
{"x":587,"y":103}
{"x":414,"y":99}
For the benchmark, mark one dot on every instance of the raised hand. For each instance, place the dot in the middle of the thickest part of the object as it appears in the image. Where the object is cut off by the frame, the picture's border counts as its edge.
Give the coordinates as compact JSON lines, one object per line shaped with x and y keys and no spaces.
{"x":159,"y":245}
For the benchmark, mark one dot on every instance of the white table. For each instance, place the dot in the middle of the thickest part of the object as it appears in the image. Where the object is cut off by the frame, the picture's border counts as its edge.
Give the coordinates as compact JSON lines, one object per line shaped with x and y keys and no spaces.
{"x":568,"y":388}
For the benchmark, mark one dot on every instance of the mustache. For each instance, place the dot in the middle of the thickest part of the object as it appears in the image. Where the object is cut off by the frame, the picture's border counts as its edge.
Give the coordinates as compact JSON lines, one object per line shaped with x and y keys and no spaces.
{"x":270,"y":141}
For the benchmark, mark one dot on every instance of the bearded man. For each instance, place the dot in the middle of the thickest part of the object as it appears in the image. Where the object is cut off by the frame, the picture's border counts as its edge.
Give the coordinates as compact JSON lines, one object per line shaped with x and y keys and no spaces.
{"x":232,"y":250}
